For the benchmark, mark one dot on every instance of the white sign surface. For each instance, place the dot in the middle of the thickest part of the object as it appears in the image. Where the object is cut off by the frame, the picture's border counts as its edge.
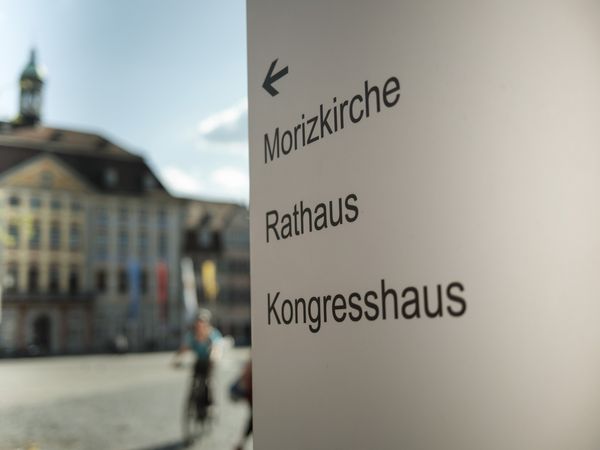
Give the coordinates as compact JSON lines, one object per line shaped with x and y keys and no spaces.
{"x":425,"y":224}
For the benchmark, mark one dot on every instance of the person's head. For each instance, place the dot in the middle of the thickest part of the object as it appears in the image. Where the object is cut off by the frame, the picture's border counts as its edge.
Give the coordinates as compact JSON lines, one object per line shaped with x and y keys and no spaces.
{"x":202,"y":324}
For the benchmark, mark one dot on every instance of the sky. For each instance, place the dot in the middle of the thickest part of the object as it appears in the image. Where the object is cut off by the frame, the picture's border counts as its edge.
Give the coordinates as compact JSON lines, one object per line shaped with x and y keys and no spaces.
{"x":164,"y":79}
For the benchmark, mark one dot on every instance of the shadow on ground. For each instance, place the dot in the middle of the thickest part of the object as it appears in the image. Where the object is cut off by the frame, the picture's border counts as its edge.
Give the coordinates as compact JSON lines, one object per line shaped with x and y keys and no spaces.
{"x":168,"y":446}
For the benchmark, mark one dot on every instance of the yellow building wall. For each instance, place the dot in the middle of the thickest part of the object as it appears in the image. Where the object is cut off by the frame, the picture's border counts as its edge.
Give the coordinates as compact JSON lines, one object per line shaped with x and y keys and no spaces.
{"x":47,"y":180}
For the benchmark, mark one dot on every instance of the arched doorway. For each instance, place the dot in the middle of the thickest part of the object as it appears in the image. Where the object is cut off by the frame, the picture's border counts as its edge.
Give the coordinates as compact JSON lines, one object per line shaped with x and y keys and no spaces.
{"x":42,"y":337}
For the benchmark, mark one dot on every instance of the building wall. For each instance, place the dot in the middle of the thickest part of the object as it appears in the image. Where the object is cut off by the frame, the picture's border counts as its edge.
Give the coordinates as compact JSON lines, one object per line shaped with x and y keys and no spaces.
{"x":235,"y":304}
{"x":113,"y":231}
{"x":95,"y":238}
{"x":144,"y":231}
{"x":55,"y":210}
{"x":47,"y":258}
{"x":231,"y":307}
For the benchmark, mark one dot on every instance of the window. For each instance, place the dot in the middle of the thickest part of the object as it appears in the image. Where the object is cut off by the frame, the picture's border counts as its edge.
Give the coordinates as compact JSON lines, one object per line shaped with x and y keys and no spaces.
{"x":111,"y":177}
{"x":101,"y":281}
{"x":74,"y":237}
{"x":238,"y":239}
{"x":101,"y":245}
{"x":240,"y":296}
{"x":149,"y":182}
{"x":13,"y":233}
{"x":73,"y":280}
{"x":33,"y":279}
{"x":162,"y":245}
{"x":143,"y":282}
{"x":11,"y":279}
{"x":53,"y":279}
{"x":35,"y":237}
{"x":55,"y":236}
{"x":123,"y":215}
{"x":123,"y":244}
{"x":204,"y":237}
{"x":143,"y":217}
{"x":239,"y":266}
{"x":162,"y":218}
{"x":35,"y":203}
{"x":122,"y":282}
{"x":102,"y":217}
{"x":76,"y":206}
{"x":14,"y":200}
{"x":46,"y":179}
{"x":143,"y":244}
{"x":55,"y":204}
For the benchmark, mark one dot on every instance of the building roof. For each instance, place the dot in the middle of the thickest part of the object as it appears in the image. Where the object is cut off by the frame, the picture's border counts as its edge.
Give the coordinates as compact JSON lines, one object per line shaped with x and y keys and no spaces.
{"x":205,"y":224}
{"x":90,"y":155}
{"x":211,"y":215}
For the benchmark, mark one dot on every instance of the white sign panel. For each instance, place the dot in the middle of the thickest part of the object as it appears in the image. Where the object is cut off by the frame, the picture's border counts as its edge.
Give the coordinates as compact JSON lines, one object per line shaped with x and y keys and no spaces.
{"x":425,"y":224}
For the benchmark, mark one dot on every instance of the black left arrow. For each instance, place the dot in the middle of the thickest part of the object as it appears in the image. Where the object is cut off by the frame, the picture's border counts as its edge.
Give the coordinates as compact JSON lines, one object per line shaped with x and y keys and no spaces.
{"x":273,"y":77}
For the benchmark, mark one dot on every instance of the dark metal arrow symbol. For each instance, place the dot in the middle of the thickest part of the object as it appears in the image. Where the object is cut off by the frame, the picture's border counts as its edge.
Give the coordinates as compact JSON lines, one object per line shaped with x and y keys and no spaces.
{"x":272,"y":78}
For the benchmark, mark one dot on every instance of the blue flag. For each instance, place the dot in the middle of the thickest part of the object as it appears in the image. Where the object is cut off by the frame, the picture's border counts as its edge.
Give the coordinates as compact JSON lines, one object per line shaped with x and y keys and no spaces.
{"x":134,"y":290}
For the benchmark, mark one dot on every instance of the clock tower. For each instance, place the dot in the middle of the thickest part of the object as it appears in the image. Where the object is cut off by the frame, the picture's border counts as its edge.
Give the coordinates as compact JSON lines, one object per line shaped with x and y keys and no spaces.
{"x":31,"y":84}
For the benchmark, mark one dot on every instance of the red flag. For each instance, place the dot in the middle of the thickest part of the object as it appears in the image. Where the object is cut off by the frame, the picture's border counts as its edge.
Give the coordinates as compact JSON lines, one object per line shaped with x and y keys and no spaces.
{"x":162,"y":287}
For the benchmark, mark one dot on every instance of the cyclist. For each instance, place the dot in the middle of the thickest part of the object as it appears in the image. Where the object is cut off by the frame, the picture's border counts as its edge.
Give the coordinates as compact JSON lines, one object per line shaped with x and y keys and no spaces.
{"x":204,"y":341}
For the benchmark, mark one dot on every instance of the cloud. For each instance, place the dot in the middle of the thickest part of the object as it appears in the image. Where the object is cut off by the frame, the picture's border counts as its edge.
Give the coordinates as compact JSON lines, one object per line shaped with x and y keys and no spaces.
{"x":232,"y":181}
{"x":229,"y":126}
{"x":227,"y":183}
{"x":181,"y":182}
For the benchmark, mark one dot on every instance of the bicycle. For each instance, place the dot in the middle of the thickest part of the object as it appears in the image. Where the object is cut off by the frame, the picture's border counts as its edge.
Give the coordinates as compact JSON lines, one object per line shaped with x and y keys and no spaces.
{"x":197,"y":413}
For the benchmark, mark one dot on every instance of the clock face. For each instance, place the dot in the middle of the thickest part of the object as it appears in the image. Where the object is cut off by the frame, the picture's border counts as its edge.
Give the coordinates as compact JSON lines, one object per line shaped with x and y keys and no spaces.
{"x":30,"y":85}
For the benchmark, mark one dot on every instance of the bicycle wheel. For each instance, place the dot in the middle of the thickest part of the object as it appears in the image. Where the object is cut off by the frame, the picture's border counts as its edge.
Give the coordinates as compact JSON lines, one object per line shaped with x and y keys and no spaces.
{"x":192,"y":422}
{"x":195,"y":414}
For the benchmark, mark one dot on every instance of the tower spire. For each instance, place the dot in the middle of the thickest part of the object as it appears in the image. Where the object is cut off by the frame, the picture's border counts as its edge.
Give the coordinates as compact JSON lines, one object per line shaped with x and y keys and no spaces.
{"x":31,"y":84}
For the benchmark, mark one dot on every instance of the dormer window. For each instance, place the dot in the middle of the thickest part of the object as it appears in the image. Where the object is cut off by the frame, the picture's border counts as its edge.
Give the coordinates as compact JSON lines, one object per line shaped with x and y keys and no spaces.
{"x":149,"y":182}
{"x":101,"y":144}
{"x":206,"y":219}
{"x":56,"y":136}
{"x":205,"y":237}
{"x":111,"y":177}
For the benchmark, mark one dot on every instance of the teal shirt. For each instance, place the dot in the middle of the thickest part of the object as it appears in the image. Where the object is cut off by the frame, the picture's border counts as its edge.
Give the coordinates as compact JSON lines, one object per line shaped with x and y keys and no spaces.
{"x":202,"y":349}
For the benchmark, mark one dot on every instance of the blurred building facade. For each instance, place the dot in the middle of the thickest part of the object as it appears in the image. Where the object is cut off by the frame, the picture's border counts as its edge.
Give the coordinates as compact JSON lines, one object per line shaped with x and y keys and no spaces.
{"x":91,"y":243}
{"x":216,"y":239}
